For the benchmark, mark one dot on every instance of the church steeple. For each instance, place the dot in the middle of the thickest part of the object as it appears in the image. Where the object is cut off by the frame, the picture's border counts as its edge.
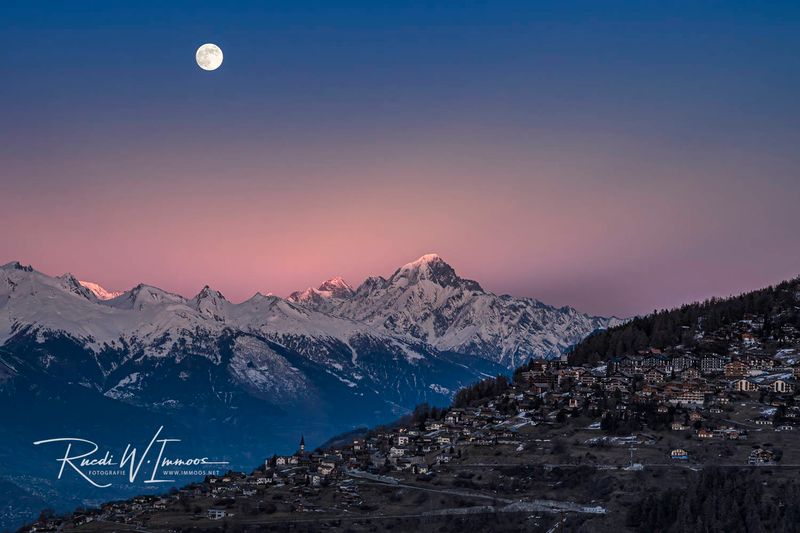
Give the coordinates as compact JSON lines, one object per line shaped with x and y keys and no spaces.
{"x":302,"y":443}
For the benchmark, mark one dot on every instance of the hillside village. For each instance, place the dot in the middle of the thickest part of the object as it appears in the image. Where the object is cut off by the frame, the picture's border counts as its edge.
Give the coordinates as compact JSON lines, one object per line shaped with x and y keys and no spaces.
{"x":656,"y":408}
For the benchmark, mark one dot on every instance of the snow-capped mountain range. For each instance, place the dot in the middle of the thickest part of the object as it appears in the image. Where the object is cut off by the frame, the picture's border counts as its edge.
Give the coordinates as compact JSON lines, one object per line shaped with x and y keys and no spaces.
{"x":426,"y":300}
{"x":423,"y":306}
{"x":416,"y":336}
{"x":247,"y":378}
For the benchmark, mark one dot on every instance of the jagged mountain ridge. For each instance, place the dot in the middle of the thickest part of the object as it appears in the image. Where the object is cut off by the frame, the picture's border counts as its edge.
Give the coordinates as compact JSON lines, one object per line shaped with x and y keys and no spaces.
{"x":100,"y":292}
{"x":416,"y":336}
{"x":335,"y":287}
{"x":427,"y":300}
{"x":422,"y":302}
{"x":149,"y":323}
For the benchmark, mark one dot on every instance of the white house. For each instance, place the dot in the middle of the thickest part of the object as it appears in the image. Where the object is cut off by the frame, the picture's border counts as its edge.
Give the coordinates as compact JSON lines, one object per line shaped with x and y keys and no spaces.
{"x":216,"y":514}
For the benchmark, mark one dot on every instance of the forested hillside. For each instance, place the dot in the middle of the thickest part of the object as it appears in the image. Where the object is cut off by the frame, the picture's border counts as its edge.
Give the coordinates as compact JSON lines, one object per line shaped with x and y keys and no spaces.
{"x":720,"y":500}
{"x":693,"y":325}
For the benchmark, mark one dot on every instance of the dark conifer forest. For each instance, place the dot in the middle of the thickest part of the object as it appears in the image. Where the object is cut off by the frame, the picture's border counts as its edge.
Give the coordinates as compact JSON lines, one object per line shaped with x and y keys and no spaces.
{"x":717,"y":499}
{"x":691,"y":325}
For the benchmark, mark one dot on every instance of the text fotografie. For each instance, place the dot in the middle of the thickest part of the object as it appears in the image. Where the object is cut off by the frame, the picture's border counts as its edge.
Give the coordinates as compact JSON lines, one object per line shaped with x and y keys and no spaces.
{"x":86,"y":461}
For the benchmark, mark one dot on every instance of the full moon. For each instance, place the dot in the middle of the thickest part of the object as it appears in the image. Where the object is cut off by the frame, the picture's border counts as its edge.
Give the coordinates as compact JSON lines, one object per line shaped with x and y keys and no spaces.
{"x":209,"y":56}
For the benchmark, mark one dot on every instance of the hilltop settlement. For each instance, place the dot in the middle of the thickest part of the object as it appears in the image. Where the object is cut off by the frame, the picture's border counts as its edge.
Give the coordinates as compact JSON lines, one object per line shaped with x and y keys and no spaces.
{"x":680,"y":420}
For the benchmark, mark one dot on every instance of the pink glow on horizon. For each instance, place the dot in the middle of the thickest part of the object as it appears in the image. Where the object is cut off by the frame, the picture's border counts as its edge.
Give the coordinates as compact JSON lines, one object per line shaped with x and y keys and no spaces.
{"x":578,"y":226}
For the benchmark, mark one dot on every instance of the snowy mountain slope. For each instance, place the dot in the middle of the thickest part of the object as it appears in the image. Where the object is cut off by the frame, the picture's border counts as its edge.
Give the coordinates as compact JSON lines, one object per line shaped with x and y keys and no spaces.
{"x":423,"y":308}
{"x":127,"y":342}
{"x":100,"y":292}
{"x":428,"y":301}
{"x":42,"y":303}
{"x":335,"y":288}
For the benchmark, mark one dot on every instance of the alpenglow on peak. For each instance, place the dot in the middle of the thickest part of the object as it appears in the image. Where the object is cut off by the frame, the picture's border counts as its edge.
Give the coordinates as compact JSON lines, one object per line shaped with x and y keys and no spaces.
{"x":433,"y":268}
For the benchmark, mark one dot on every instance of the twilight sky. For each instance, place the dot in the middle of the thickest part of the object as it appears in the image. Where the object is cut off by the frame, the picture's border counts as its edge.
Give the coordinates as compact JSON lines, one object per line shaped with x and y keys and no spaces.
{"x":614,"y":156}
